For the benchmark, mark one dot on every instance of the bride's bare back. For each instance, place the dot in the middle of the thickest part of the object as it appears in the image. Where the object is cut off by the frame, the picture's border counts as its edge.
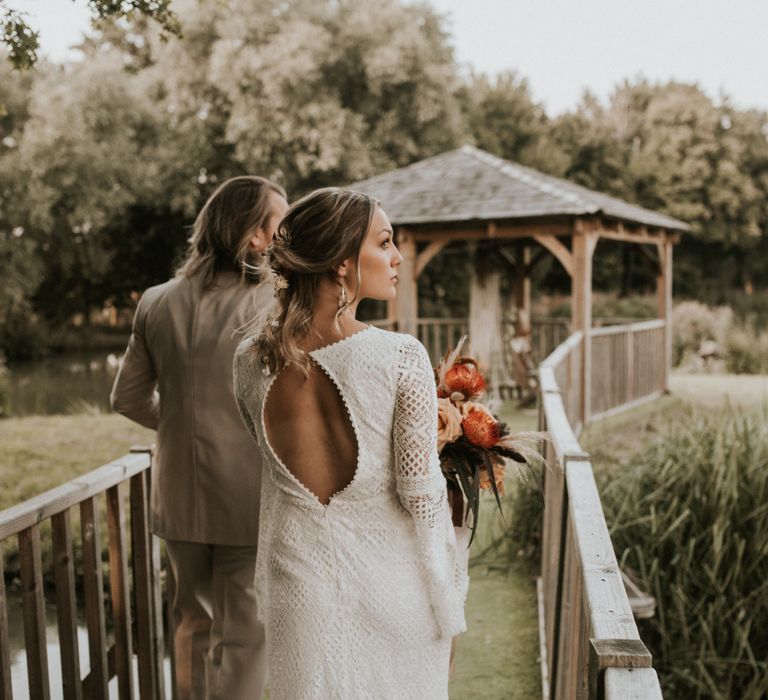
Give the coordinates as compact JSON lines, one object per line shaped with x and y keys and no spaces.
{"x":309,"y":429}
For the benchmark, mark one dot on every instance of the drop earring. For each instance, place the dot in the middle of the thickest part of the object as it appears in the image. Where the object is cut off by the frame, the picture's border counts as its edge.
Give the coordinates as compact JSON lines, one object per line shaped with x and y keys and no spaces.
{"x":342,"y":295}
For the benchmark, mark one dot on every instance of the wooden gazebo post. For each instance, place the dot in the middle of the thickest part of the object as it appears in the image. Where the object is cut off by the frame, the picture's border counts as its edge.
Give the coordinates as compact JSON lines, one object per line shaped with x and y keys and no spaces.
{"x":407,"y":285}
{"x":664,"y":301}
{"x":584,"y":242}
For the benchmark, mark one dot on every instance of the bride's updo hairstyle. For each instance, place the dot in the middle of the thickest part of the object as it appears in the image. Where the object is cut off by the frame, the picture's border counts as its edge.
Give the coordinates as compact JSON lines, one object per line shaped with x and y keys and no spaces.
{"x":318,"y":233}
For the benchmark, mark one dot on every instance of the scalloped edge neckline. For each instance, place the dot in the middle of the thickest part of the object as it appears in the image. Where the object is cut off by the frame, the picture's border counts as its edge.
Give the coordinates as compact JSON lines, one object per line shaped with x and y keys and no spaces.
{"x":341,"y":340}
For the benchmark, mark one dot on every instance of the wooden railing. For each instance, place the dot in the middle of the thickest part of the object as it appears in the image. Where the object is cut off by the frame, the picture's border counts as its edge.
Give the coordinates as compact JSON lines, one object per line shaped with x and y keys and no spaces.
{"x":134,"y":613}
{"x":546,"y":334}
{"x":439,"y":334}
{"x":628,"y":366}
{"x":590,"y":643}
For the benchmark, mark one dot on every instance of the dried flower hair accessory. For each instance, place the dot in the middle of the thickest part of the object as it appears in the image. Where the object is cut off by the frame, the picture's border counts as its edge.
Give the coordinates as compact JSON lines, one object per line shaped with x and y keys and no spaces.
{"x":279,"y":281}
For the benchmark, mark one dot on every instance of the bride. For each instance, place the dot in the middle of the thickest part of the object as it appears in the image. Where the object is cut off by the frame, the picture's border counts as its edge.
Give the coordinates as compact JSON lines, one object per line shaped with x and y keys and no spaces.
{"x":358,"y":581}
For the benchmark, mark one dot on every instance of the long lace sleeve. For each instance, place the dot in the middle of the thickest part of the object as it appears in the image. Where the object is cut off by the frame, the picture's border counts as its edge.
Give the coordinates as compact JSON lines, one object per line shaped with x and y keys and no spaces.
{"x":421,"y":486}
{"x":243,"y":381}
{"x":248,"y":382}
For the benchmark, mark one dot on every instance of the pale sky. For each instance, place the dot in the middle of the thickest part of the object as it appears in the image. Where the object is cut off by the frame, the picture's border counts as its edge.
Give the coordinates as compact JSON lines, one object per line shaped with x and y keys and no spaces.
{"x":564,"y":46}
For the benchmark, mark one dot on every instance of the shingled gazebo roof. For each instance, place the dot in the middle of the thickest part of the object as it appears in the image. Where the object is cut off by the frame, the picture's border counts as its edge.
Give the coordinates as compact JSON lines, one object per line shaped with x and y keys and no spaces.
{"x":468,"y":184}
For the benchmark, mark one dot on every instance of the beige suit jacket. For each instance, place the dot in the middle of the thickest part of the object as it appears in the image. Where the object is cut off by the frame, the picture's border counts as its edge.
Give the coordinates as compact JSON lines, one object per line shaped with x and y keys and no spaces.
{"x":176,"y":378}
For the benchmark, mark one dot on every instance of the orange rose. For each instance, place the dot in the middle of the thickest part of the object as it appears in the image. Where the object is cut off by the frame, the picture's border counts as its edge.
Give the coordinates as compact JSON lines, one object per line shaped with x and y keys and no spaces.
{"x":479,"y":425}
{"x":463,"y":380}
{"x":498,"y":477}
{"x":448,"y":423}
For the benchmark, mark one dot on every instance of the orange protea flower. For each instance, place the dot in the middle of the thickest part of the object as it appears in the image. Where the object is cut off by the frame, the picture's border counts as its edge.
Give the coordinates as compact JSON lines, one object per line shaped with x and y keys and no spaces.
{"x":480,"y":427}
{"x":498,"y":477}
{"x":462,"y":380}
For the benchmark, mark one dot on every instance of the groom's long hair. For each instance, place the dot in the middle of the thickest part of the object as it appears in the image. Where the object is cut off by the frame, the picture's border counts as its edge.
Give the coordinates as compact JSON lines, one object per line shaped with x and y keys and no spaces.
{"x":222,"y":230}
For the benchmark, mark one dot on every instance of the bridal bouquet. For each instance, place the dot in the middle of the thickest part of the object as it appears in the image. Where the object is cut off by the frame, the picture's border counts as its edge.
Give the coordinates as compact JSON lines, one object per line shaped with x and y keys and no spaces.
{"x":472,"y":442}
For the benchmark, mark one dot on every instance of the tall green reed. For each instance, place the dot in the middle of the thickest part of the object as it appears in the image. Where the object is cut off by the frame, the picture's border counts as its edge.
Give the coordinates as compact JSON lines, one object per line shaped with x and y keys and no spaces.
{"x":689,"y":516}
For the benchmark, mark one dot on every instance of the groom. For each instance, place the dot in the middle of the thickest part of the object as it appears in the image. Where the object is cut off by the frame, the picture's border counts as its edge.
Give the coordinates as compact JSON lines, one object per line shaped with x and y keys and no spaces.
{"x":176,"y":378}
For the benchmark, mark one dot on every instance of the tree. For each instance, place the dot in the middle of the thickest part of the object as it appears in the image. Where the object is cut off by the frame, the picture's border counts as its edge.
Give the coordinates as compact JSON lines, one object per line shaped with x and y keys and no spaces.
{"x":23,"y":41}
{"x":119,"y":150}
{"x":503,"y":118}
{"x":670,"y":148}
{"x":91,"y":149}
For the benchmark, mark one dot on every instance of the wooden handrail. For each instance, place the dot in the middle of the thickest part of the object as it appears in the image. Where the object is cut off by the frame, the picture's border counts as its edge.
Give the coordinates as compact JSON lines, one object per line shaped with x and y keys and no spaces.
{"x":587,"y":621}
{"x":47,"y":504}
{"x":134,"y":584}
{"x":653,"y":324}
{"x":628,"y":366}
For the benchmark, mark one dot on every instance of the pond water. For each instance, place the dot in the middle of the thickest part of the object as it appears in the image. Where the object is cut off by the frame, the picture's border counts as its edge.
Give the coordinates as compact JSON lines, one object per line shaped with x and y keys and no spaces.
{"x":68,"y":383}
{"x":19,"y":678}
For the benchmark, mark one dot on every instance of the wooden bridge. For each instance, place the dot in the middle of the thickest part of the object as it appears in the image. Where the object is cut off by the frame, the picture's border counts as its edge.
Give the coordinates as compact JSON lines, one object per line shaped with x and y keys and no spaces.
{"x":590,"y":643}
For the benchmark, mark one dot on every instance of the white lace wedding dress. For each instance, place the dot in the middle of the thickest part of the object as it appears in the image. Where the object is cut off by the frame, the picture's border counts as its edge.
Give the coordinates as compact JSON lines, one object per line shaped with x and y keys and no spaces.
{"x":360,"y":598}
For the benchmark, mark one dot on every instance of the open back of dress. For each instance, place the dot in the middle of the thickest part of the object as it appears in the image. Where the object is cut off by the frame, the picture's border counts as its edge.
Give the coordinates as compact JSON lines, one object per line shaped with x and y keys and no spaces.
{"x":309,"y":429}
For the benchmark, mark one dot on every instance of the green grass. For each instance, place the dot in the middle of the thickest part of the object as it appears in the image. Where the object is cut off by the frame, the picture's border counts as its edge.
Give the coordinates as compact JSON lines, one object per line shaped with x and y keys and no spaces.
{"x":497,"y":658}
{"x":38,"y":453}
{"x":616,"y":439}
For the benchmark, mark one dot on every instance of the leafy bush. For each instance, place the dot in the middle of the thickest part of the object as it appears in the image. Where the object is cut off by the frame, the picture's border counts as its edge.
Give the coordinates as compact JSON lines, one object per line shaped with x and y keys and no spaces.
{"x":693,"y":323}
{"x":20,"y":337}
{"x":610,"y":306}
{"x":746,"y":352}
{"x":749,"y":309}
{"x":690,"y":516}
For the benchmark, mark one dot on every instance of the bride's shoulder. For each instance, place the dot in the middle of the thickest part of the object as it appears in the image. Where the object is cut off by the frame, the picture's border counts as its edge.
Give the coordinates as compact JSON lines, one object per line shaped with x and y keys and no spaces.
{"x":398,"y":345}
{"x":245,"y":348}
{"x":246,"y":360}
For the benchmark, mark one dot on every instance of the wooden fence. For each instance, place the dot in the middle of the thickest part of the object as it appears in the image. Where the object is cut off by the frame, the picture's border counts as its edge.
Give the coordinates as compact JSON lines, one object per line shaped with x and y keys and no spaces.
{"x":590,"y":643}
{"x":439,"y":334}
{"x":628,"y":366}
{"x":134,"y":609}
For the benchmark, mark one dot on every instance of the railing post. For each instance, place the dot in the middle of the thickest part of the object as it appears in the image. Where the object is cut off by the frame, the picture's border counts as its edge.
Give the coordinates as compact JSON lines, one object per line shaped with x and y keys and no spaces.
{"x":149,"y":659}
{"x":614,"y":653}
{"x":623,"y":683}
{"x":33,"y":607}
{"x":118,"y":583}
{"x":66,"y":610}
{"x":6,"y":691}
{"x":98,"y":676}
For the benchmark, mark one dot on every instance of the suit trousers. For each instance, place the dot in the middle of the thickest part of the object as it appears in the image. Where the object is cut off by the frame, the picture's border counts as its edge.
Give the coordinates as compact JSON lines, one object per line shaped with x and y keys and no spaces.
{"x":219,"y":644}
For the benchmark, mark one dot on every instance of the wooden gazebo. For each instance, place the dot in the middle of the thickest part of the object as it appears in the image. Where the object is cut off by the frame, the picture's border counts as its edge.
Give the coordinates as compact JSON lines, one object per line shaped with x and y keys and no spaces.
{"x":470,"y":195}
